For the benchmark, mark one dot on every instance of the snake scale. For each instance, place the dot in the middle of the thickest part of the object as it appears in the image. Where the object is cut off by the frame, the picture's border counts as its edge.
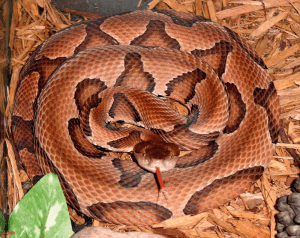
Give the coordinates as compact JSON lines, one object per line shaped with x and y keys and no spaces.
{"x":109,"y":84}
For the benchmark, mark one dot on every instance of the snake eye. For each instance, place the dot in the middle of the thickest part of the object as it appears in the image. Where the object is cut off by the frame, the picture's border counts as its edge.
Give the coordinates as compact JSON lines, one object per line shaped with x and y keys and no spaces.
{"x":140,"y":147}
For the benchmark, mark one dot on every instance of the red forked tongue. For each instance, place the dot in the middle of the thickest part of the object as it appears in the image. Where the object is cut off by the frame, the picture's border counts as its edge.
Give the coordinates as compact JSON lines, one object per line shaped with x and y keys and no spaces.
{"x":159,"y":178}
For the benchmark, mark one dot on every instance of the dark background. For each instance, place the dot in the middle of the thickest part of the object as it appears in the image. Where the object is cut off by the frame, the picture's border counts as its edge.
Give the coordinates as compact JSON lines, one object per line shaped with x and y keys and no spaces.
{"x":102,"y":7}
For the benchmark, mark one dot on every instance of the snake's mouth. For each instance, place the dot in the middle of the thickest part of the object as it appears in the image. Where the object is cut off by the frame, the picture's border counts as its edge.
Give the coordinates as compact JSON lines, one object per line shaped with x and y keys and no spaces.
{"x":151,"y":155}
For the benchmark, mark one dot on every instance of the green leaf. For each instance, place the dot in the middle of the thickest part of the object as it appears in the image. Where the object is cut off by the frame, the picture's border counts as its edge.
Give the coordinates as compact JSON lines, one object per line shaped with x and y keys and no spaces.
{"x":2,"y":223}
{"x":42,"y":212}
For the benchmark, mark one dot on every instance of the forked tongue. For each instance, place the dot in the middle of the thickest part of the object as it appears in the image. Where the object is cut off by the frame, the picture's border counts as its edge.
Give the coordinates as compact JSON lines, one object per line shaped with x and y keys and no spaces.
{"x":159,"y":178}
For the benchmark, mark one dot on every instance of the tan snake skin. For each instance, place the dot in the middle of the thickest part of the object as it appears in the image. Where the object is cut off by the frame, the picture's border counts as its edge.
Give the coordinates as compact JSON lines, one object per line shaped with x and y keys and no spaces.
{"x":126,"y":69}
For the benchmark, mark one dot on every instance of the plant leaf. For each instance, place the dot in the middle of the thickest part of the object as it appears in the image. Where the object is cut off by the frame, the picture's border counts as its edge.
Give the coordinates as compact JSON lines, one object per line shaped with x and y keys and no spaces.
{"x":2,"y":223}
{"x":42,"y":212}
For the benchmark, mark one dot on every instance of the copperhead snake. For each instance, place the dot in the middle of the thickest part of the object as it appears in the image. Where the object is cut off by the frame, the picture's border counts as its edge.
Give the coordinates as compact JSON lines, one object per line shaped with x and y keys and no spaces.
{"x":106,"y":85}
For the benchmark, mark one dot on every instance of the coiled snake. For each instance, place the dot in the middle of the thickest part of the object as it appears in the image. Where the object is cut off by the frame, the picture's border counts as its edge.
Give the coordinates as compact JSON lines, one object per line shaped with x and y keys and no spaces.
{"x":108,"y":85}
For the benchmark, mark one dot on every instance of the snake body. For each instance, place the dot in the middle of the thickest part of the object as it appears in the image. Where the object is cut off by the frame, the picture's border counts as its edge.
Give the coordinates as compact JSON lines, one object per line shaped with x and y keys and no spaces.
{"x":106,"y":85}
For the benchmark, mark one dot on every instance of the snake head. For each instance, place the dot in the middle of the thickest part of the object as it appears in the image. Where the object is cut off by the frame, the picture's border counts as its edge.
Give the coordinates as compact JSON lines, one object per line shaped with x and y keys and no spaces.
{"x":151,"y":155}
